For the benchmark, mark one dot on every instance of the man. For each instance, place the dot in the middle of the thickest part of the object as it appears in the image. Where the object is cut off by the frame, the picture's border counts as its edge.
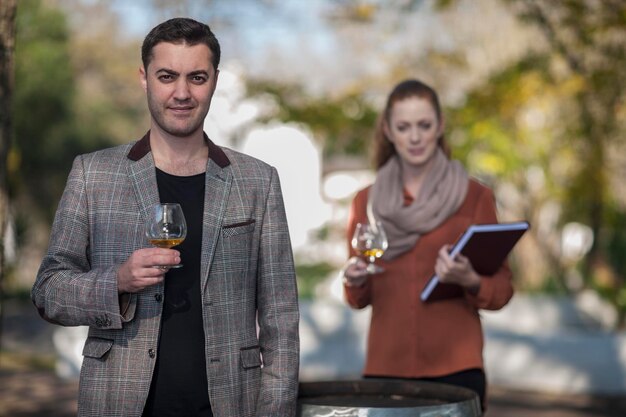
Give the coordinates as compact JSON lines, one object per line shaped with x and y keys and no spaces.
{"x":176,"y":342}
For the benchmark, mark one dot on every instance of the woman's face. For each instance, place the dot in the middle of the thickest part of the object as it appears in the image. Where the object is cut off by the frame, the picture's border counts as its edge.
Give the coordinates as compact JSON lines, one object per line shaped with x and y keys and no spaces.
{"x":414,"y":129}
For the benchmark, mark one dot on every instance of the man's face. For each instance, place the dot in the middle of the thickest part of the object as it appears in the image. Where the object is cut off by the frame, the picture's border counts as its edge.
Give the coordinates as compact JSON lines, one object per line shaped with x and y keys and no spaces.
{"x":180,"y":81}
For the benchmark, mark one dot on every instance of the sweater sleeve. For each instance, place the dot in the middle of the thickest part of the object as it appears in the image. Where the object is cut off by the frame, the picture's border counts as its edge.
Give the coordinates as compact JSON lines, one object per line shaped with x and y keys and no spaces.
{"x":357,"y":297}
{"x":496,"y":290}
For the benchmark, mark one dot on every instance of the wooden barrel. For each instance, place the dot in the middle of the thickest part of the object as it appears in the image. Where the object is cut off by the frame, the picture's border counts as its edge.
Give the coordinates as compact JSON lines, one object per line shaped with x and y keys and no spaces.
{"x":385,"y":398}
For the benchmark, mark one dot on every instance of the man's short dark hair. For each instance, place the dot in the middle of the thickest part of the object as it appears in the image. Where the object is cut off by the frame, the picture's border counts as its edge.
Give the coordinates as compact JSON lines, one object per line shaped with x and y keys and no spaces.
{"x":180,"y":30}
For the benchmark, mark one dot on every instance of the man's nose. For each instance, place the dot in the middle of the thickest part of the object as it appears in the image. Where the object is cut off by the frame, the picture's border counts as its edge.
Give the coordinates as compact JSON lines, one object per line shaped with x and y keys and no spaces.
{"x":182,"y":91}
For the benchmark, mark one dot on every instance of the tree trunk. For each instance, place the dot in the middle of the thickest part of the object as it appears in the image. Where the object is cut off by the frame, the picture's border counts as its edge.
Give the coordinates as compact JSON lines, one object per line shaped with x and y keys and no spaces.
{"x":7,"y":46}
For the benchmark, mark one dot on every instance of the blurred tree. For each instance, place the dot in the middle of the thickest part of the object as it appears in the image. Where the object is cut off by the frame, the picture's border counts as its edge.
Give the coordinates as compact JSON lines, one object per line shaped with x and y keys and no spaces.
{"x":342,"y":124}
{"x":505,"y":134}
{"x":72,"y":95}
{"x":590,"y":38}
{"x":48,"y":129}
{"x":45,"y":143}
{"x":552,"y":126}
{"x":343,"y":116}
{"x":109,"y":103}
{"x":7,"y":44}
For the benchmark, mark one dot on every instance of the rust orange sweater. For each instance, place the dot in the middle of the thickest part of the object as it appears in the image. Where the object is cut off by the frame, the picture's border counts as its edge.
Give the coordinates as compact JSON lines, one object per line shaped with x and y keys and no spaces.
{"x":409,"y":338}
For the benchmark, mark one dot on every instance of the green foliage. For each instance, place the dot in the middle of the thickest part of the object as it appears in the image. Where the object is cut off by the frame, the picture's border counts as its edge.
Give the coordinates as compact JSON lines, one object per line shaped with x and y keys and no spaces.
{"x":309,"y":276}
{"x":612,"y":285}
{"x":343,"y":124}
{"x":551,"y":284}
{"x":46,"y":133}
{"x":515,"y":128}
{"x":443,"y":4}
{"x":489,"y":133}
{"x":43,"y":96}
{"x":559,"y":112}
{"x":616,"y":241}
{"x":44,"y":81}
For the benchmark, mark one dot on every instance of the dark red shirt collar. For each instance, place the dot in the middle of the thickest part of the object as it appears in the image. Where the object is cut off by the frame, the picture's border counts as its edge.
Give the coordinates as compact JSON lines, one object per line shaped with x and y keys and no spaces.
{"x":142,"y":147}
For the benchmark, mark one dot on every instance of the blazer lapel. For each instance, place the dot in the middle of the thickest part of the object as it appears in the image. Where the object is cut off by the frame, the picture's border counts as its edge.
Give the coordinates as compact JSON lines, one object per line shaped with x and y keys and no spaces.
{"x":143,"y":177}
{"x":217,"y":189}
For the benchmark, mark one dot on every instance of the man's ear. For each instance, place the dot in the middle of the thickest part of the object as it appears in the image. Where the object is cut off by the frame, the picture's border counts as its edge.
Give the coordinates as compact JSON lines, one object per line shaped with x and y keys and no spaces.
{"x":215,"y":77}
{"x":143,"y":78}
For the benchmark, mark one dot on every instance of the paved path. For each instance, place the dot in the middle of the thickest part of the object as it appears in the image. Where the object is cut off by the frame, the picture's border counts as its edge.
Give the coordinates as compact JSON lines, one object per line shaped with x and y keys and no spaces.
{"x":28,"y":393}
{"x":29,"y":388}
{"x":511,"y":403}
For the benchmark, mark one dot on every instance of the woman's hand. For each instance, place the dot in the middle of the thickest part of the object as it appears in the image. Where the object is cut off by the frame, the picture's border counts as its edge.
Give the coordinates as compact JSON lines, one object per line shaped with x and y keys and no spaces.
{"x":355,"y":272}
{"x":457,"y":270}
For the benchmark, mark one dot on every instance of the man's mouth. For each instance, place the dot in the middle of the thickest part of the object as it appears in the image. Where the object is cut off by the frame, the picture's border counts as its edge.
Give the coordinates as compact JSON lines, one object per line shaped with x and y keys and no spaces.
{"x":181,"y":110}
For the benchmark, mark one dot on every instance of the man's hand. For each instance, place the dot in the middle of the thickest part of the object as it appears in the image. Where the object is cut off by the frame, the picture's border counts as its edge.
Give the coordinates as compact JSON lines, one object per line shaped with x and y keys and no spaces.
{"x":457,"y":270}
{"x":142,"y":270}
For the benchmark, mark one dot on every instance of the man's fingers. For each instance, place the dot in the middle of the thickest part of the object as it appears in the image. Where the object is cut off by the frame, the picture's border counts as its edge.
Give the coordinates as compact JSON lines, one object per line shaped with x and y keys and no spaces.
{"x":145,"y":282}
{"x":145,"y":267}
{"x":152,"y":271}
{"x":170,"y":257}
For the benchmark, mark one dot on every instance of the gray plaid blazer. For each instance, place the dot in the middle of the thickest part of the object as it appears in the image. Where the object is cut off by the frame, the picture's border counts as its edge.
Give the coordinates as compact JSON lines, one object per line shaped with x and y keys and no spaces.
{"x":247,"y":278}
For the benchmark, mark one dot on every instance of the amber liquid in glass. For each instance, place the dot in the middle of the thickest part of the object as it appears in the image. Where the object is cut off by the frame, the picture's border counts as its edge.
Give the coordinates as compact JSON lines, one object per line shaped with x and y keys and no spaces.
{"x":166,"y":242}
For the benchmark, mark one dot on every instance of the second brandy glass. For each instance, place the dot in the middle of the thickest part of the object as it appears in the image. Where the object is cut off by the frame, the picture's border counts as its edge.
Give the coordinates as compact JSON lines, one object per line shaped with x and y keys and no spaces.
{"x":370,"y":241}
{"x":166,"y":227}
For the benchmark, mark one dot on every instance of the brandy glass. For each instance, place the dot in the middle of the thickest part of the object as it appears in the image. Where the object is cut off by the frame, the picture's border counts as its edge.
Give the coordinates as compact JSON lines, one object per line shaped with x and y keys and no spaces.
{"x":370,"y":241}
{"x":166,"y":227}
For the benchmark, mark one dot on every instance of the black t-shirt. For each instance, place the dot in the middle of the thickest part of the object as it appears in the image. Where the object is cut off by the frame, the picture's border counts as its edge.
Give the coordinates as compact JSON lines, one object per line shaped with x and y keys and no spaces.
{"x":179,"y":384}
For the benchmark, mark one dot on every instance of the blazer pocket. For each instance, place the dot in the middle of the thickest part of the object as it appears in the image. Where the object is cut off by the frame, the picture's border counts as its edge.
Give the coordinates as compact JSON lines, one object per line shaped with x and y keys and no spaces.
{"x":250,"y":357}
{"x":97,"y":347}
{"x":238,"y":228}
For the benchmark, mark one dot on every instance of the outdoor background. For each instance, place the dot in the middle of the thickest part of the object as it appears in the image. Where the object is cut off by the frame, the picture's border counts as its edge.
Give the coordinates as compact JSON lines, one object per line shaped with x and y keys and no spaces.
{"x":534,"y":99}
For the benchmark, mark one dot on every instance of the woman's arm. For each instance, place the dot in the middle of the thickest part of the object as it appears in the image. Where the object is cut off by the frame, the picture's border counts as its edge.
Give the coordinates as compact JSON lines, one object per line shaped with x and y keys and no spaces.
{"x":494,"y":291}
{"x":357,"y":289}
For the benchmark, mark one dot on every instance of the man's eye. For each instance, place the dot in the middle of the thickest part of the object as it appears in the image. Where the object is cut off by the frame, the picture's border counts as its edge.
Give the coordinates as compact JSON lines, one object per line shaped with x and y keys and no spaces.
{"x":166,"y":77}
{"x":198,"y":79}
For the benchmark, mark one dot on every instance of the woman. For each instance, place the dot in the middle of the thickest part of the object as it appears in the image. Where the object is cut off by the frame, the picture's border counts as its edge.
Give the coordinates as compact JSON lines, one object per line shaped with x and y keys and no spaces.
{"x":424,"y":201}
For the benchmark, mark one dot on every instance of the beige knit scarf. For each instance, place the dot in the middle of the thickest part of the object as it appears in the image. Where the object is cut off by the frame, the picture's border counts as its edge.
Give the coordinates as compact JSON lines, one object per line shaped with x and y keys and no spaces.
{"x":442,"y":193}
